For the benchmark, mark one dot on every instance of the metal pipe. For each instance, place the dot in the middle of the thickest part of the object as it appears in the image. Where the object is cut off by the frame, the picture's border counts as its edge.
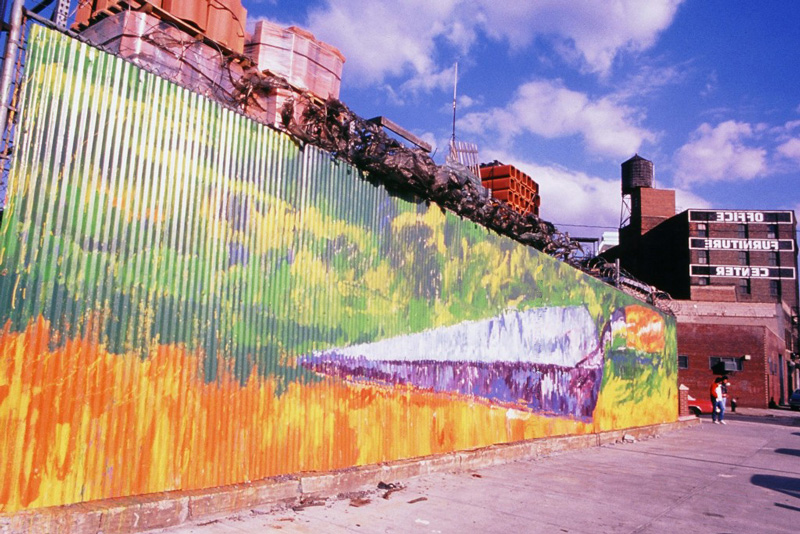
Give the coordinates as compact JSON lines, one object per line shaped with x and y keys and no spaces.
{"x":10,"y":60}
{"x":50,"y":24}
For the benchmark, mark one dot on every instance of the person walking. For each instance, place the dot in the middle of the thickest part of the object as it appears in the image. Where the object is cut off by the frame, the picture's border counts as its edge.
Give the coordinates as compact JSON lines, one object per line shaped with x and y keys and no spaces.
{"x":725,"y":385}
{"x":717,"y":402}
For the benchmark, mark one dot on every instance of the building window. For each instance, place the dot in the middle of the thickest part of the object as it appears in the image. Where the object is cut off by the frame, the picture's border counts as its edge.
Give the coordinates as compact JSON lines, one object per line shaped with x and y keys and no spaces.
{"x":772,"y":259}
{"x":683,"y":361}
{"x":703,"y":281}
{"x":702,"y":229}
{"x":744,"y":286}
{"x":722,"y":364}
{"x":774,"y":288}
{"x":702,"y":257}
{"x":744,"y":257}
{"x":741,"y":231}
{"x":772,"y":231}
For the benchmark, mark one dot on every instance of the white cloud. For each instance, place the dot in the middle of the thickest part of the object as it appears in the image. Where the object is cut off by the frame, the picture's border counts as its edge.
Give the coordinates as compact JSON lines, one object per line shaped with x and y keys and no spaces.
{"x":649,"y":79}
{"x":721,"y":153}
{"x":571,"y":197}
{"x":593,"y":32}
{"x":790,"y":149}
{"x":403,"y":39}
{"x":550,"y":110}
{"x":389,"y":39}
{"x":432,"y":80}
{"x":575,"y":198}
{"x":711,"y":84}
{"x":686,"y":200}
{"x":466,"y":102}
{"x":431,"y":139}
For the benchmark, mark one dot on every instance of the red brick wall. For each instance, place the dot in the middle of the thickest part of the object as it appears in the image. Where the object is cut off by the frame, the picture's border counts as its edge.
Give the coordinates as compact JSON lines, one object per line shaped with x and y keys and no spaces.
{"x":755,"y":384}
{"x":656,"y":205}
{"x":774,"y":349}
{"x":760,"y":288}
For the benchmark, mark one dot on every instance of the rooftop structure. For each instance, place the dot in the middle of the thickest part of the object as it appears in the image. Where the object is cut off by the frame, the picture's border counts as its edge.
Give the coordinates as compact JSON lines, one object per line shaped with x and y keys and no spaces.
{"x":719,"y":263}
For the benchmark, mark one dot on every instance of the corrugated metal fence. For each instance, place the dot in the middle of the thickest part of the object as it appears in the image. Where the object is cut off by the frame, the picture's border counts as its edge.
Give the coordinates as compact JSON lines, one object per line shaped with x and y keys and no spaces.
{"x":175,"y":280}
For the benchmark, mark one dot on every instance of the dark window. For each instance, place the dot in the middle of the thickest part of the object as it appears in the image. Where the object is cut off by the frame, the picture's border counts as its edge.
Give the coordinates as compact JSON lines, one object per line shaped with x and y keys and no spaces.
{"x":702,"y":229}
{"x":774,"y":288}
{"x":744,"y":257}
{"x":683,"y":361}
{"x":772,"y":231}
{"x":722,"y":364}
{"x":741,"y":231}
{"x":772,"y":260}
{"x":702,"y":257}
{"x":744,"y":286}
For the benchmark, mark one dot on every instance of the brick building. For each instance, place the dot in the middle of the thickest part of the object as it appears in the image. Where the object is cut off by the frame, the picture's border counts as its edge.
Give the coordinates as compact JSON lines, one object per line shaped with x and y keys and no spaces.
{"x":733,"y":274}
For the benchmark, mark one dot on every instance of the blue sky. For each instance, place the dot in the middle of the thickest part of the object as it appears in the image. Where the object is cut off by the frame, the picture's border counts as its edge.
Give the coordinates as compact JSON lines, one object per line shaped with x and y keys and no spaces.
{"x":567,"y":90}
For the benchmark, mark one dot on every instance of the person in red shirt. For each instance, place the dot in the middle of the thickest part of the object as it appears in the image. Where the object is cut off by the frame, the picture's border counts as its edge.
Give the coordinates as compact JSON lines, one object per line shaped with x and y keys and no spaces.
{"x":717,"y":401}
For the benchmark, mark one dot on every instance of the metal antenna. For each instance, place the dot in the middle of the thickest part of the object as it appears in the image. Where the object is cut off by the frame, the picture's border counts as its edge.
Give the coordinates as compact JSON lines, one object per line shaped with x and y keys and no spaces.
{"x":455,"y":90}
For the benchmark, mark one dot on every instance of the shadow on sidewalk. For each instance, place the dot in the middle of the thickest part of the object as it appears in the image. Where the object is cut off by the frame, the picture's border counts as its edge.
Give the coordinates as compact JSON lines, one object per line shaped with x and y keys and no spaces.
{"x":786,"y":485}
{"x":764,"y":419}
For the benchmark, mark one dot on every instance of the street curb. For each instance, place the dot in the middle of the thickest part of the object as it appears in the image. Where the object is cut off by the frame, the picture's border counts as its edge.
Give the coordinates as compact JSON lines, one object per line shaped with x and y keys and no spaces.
{"x":161,"y":510}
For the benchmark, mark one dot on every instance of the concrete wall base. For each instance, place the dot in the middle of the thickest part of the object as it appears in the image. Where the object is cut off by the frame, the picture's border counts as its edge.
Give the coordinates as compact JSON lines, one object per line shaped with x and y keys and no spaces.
{"x":160,"y":510}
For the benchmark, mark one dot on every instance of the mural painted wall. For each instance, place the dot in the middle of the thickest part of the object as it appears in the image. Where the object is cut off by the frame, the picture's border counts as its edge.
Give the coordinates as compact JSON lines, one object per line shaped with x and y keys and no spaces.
{"x":188,"y":299}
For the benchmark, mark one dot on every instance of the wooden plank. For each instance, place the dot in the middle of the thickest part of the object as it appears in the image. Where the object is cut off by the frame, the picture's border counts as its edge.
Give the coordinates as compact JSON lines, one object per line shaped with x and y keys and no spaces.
{"x":402,"y":132}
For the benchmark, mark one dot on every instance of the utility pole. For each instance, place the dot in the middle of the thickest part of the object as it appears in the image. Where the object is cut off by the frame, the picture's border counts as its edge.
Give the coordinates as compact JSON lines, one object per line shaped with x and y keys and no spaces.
{"x":455,"y":91}
{"x":10,"y":60}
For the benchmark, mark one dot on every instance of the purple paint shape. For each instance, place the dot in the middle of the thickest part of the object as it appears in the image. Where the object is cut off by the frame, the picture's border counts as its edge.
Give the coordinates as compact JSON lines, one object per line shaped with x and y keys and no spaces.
{"x":545,"y":388}
{"x":548,"y":360}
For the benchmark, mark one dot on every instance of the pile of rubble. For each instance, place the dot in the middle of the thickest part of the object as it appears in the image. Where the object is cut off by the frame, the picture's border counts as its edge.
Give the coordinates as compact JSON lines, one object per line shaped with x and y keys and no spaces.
{"x":412,"y":173}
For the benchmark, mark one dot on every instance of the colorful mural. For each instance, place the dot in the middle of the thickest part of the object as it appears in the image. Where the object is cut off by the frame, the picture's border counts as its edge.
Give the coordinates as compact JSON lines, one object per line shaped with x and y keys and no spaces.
{"x":188,"y":299}
{"x":550,"y":360}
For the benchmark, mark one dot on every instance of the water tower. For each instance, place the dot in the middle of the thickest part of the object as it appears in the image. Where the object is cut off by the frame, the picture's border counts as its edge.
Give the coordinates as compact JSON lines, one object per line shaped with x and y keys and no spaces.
{"x":637,"y":173}
{"x":643,"y":206}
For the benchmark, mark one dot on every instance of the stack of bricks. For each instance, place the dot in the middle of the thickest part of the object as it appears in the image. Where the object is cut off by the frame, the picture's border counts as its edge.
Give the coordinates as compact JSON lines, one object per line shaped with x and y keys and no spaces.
{"x":506,"y":182}
{"x":221,"y":21}
{"x":295,"y":54}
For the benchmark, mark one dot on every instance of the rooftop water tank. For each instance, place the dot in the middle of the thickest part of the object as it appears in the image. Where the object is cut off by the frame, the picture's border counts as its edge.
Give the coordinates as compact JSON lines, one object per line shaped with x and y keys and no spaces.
{"x":637,"y":172}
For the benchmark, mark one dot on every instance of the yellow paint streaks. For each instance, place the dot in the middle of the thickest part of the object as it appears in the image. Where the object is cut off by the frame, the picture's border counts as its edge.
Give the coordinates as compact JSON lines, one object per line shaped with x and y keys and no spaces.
{"x":84,"y":424}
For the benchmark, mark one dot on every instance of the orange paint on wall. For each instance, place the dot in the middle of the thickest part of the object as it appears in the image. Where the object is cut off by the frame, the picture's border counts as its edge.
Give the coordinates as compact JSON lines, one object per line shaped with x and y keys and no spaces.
{"x":83,"y":424}
{"x":645,"y":329}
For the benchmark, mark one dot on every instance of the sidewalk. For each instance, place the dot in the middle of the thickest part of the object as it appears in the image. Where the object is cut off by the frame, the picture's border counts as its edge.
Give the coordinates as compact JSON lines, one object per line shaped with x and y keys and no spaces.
{"x":743,"y":477}
{"x":783,"y":411}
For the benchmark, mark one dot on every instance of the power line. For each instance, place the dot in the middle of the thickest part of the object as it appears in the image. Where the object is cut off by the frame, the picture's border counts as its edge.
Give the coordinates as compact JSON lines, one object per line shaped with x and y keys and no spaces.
{"x":587,"y":226}
{"x":617,"y":228}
